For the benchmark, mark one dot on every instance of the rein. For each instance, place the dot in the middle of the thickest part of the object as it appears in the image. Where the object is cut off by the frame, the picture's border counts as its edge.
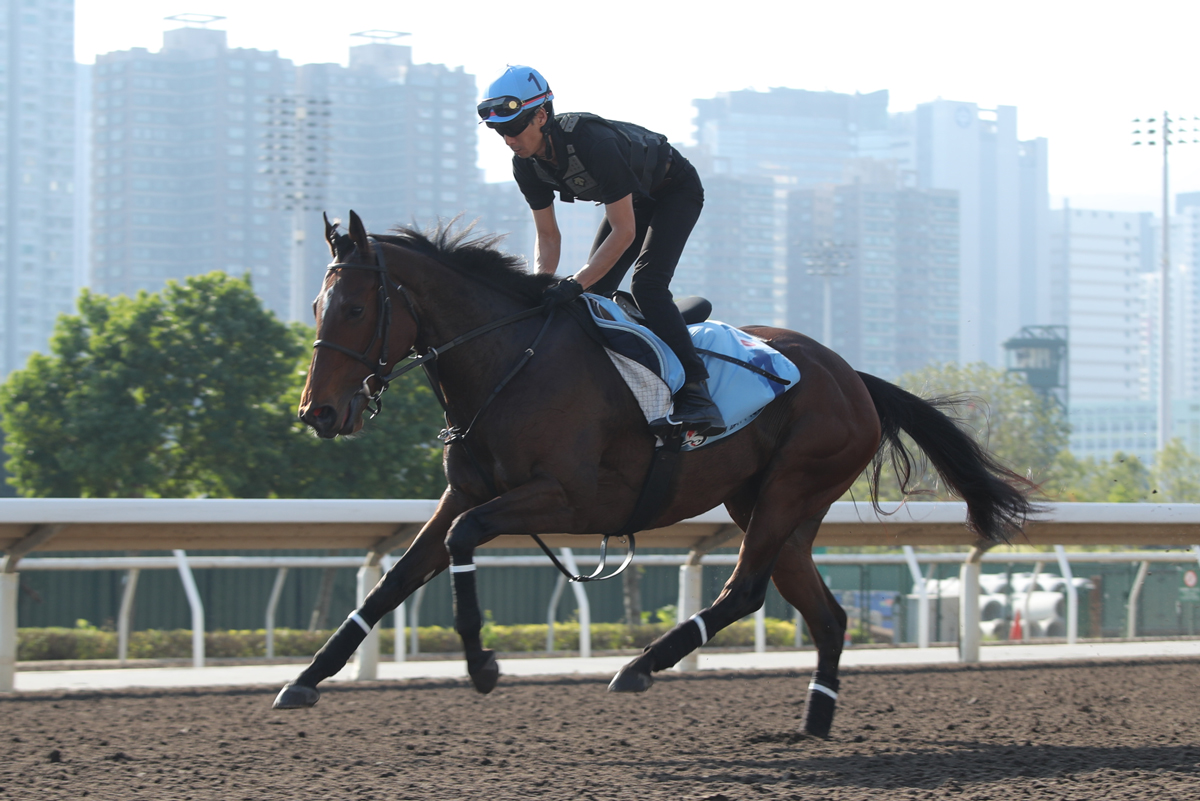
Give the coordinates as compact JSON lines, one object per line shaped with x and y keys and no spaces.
{"x":427,"y":360}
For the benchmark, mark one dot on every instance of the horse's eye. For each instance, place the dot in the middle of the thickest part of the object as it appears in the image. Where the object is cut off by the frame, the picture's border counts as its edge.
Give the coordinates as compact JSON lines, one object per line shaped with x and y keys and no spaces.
{"x":355,"y":312}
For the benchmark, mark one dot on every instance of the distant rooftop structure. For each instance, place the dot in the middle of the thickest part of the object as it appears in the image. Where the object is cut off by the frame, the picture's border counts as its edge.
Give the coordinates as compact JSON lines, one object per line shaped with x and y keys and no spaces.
{"x":1186,"y":200}
{"x":380,"y":36}
{"x":194,"y":19}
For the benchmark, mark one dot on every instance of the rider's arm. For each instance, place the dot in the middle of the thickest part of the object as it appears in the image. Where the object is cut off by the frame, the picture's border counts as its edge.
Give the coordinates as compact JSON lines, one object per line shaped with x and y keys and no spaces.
{"x":548,"y":246}
{"x":620,"y":219}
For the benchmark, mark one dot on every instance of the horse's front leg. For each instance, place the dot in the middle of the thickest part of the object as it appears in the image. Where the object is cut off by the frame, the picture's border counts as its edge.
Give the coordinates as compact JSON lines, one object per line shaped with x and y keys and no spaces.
{"x":534,"y":508}
{"x":423,"y":560}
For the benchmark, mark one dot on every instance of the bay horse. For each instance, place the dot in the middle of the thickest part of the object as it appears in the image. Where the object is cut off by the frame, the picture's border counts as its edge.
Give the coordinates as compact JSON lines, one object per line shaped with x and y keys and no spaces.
{"x":560,"y":445}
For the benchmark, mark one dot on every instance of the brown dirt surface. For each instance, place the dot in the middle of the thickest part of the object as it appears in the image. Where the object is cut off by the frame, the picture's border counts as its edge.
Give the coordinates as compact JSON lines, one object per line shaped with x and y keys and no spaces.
{"x":1127,"y":730}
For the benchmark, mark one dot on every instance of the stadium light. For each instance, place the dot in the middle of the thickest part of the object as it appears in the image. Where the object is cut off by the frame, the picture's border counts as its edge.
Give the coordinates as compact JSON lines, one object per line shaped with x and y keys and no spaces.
{"x":1166,"y":130}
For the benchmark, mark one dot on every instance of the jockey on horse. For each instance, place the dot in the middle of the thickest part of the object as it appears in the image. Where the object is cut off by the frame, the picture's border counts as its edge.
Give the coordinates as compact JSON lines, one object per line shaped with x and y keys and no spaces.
{"x":652,"y":198}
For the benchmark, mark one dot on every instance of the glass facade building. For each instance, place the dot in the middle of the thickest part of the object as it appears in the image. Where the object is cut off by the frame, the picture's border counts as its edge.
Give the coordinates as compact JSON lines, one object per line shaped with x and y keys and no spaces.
{"x":37,"y":143}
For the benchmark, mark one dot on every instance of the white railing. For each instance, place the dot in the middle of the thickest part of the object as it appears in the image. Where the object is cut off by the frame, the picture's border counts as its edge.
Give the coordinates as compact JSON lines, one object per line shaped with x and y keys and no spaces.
{"x":185,"y":564}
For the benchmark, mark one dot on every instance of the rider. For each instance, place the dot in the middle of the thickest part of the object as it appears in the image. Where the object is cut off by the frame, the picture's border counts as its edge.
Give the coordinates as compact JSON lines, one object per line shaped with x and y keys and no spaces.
{"x":652,"y":197}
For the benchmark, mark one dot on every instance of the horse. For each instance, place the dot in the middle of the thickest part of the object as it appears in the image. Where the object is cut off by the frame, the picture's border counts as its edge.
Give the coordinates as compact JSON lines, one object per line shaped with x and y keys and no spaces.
{"x":545,"y":437}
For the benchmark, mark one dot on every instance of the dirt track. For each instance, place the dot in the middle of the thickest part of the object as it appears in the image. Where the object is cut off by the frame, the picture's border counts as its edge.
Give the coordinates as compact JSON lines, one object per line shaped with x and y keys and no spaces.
{"x":1078,"y":731}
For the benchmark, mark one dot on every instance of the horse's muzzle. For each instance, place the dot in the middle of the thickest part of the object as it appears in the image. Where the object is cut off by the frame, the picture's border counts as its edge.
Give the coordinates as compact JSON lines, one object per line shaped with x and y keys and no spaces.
{"x":321,"y":419}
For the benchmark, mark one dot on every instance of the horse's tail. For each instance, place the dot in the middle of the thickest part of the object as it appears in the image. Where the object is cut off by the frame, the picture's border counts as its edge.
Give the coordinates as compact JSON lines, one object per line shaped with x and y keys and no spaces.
{"x":997,"y":499}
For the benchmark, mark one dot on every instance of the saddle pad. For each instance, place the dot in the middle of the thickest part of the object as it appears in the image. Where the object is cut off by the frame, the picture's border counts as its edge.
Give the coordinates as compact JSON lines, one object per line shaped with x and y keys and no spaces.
{"x":654,"y":374}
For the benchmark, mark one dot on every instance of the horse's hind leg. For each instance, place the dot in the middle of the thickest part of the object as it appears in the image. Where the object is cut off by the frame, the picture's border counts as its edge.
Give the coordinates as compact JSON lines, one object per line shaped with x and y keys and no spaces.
{"x":742,"y":595}
{"x":423,"y":560}
{"x":801,"y":585}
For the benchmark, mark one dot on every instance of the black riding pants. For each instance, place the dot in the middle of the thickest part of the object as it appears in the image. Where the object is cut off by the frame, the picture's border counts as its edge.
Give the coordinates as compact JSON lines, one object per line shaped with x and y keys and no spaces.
{"x":663,"y":226}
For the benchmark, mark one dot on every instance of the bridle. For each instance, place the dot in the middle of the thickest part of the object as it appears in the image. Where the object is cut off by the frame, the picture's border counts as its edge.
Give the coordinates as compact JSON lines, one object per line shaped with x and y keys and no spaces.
{"x":383,"y":323}
{"x":452,"y":434}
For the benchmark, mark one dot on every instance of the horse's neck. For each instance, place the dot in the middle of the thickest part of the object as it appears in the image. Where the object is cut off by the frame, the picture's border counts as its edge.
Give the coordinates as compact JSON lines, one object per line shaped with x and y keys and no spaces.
{"x":470,"y":371}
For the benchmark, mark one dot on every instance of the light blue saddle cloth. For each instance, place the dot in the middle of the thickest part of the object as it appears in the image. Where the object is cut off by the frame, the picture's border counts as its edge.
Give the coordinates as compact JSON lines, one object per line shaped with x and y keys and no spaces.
{"x":654,"y":374}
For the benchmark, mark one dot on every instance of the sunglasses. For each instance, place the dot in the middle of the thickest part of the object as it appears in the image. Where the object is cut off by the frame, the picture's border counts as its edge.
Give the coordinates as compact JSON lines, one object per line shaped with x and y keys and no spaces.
{"x":512,"y":127}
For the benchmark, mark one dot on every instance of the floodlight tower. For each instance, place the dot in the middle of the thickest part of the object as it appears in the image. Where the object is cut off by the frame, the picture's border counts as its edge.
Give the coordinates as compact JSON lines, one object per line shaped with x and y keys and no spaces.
{"x":1167,"y":136}
{"x":828,"y":259}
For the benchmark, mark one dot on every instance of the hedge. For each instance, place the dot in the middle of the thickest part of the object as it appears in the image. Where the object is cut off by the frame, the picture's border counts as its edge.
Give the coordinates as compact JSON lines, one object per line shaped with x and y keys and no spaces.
{"x":85,"y":642}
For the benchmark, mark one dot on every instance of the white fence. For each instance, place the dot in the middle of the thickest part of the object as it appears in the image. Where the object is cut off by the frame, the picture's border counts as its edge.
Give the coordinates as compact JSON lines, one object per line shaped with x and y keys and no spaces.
{"x":408,"y":615}
{"x":380,"y":527}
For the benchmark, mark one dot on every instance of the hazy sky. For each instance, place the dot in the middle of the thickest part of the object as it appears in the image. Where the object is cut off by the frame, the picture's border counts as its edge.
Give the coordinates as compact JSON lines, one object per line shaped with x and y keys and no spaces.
{"x":1078,"y":72}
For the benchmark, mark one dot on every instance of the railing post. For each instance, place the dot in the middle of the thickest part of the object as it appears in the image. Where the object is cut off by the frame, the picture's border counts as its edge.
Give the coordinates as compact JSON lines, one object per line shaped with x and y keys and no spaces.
{"x":922,"y":589}
{"x":399,"y":645}
{"x":1064,"y":567}
{"x":367,"y":666}
{"x":691,"y":582}
{"x":414,"y":621}
{"x":128,"y":593}
{"x":585,"y":609}
{"x":9,"y":584}
{"x":552,"y":611}
{"x":193,"y":596}
{"x":272,"y":605}
{"x":1134,"y":594}
{"x":968,"y":606}
{"x":1026,"y":623}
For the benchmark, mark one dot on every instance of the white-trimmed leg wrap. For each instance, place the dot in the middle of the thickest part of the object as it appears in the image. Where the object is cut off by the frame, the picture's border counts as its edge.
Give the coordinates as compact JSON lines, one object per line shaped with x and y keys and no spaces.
{"x":699,"y":621}
{"x":463,"y":568}
{"x":821,"y":688}
{"x":362,"y":624}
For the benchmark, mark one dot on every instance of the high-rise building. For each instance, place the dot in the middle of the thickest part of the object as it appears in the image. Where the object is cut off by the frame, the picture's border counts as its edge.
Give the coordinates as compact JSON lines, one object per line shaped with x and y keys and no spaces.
{"x":1098,"y":256}
{"x":37,"y":245}
{"x":176,"y":185}
{"x":752,"y":148}
{"x":400,"y":145}
{"x":805,"y":137}
{"x":737,"y":254}
{"x":216,"y":158}
{"x":1002,"y":185}
{"x":889,"y":256}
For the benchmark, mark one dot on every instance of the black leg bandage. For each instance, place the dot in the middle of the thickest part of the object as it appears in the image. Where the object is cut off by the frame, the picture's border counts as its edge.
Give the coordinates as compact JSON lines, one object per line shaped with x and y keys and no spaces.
{"x":678,"y":642}
{"x":337,"y":650}
{"x":822,"y":700}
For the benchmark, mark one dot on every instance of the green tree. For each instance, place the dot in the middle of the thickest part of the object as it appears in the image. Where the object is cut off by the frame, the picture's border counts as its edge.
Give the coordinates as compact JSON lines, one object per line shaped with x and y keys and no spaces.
{"x":1176,"y":474}
{"x":192,"y":392}
{"x":169,"y":394}
{"x":1021,"y":428}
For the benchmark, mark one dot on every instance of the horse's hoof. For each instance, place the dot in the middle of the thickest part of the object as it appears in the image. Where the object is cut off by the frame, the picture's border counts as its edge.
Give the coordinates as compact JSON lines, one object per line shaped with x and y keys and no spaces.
{"x":819,"y":718}
{"x":486,"y":675}
{"x":296,"y":696}
{"x":632,"y":678}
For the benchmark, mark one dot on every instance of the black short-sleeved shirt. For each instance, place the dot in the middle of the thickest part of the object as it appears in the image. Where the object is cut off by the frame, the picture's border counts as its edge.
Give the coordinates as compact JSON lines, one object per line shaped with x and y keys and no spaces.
{"x":605,"y":155}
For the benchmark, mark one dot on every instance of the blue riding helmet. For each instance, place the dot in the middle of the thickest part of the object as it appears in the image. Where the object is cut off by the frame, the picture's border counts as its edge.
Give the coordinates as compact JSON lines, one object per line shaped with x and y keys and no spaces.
{"x":518,"y":90}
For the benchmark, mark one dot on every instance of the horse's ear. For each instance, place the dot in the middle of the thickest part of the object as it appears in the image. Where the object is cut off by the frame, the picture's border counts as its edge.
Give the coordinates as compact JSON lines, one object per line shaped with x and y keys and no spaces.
{"x":358,"y":235}
{"x":330,"y":234}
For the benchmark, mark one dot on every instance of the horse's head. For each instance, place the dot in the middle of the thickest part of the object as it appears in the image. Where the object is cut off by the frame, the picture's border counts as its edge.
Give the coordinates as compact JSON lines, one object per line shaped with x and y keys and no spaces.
{"x":361,"y":333}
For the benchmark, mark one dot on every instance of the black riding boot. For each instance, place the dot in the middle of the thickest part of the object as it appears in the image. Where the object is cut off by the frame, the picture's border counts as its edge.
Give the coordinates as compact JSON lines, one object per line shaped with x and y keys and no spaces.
{"x":695,"y":410}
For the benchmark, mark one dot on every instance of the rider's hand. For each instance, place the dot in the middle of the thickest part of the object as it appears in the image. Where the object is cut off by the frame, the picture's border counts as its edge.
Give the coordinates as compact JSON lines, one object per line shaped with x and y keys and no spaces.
{"x":562,"y":292}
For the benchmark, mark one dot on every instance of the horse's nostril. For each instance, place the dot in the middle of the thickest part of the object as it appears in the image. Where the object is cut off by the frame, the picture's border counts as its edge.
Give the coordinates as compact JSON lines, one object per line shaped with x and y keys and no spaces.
{"x":318,"y":416}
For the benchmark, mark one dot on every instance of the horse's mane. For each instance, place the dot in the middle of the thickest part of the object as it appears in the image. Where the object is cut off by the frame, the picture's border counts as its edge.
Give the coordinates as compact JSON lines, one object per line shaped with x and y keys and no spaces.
{"x":474,"y":255}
